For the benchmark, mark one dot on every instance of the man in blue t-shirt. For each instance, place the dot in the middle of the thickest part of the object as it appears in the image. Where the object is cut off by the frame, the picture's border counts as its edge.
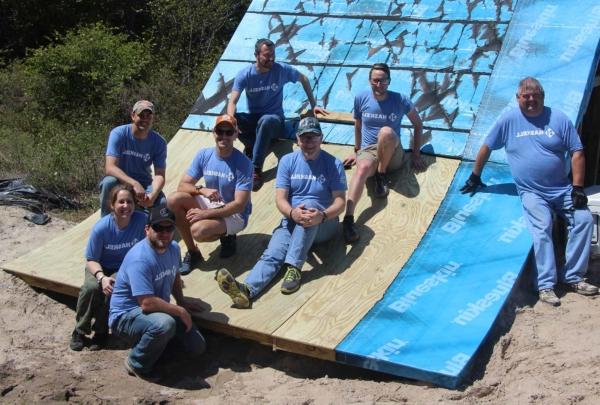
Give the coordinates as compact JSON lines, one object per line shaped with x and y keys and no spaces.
{"x":220,"y":208}
{"x":377,"y":149}
{"x":131,"y":151}
{"x":140,"y":307}
{"x":536,"y":140}
{"x":310,"y":194}
{"x":263,"y":82}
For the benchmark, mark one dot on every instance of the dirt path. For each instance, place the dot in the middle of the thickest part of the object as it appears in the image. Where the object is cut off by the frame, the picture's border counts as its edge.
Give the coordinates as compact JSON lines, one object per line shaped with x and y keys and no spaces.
{"x":540,"y":355}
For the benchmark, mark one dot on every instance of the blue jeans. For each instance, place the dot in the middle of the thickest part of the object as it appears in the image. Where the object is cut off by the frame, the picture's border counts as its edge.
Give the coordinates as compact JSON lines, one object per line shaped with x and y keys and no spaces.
{"x":538,"y":212}
{"x":149,"y":335}
{"x":256,"y":133}
{"x":106,"y":185}
{"x":289,"y":244}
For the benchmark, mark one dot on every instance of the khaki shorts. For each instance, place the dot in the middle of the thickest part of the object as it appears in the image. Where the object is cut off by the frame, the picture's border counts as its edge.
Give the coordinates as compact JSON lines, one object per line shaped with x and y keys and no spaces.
{"x":234,"y":223}
{"x":370,"y":153}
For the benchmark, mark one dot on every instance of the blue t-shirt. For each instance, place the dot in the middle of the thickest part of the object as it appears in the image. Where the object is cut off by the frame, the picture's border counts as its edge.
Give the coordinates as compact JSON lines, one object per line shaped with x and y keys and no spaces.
{"x":224,"y":174}
{"x":376,"y":114}
{"x":264,"y":91}
{"x":108,"y":244}
{"x":536,"y":149}
{"x":311,"y":182}
{"x":137,"y":155}
{"x":143,"y":272}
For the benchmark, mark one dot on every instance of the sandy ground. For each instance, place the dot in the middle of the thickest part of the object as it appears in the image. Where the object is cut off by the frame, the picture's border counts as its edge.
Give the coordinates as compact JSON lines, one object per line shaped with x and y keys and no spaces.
{"x":537,"y":355}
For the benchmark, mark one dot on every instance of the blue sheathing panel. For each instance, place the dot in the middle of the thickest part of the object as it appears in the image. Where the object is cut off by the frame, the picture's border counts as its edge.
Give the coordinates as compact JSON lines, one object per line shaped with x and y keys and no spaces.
{"x":444,"y":10}
{"x":554,"y":41}
{"x":440,"y":308}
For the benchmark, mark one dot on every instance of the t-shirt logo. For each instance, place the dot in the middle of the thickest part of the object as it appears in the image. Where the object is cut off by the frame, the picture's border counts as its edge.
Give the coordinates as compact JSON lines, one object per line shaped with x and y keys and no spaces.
{"x":230,"y":176}
{"x":146,"y":157}
{"x":393,"y":117}
{"x":549,"y":132}
{"x":274,"y":87}
{"x":164,"y":212}
{"x":321,"y":179}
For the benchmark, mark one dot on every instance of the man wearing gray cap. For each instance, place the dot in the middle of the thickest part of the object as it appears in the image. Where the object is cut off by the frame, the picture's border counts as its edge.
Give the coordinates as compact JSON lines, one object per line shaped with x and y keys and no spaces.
{"x":131,"y":150}
{"x":310,"y":194}
{"x":140,"y":307}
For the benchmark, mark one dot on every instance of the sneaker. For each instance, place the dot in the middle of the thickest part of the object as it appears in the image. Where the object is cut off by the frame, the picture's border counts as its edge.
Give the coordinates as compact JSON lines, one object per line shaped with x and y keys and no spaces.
{"x":191,"y":262}
{"x":77,"y":341}
{"x":583,"y":288}
{"x":349,"y":230}
{"x":381,"y":187}
{"x":151,"y":377}
{"x":238,"y":292}
{"x":548,"y":296}
{"x":228,"y":246}
{"x":291,"y":279}
{"x":98,"y":341}
{"x":257,"y":180}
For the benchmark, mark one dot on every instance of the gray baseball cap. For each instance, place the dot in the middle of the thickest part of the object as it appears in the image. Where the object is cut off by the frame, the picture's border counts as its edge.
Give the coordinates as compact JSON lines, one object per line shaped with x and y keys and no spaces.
{"x":309,"y":125}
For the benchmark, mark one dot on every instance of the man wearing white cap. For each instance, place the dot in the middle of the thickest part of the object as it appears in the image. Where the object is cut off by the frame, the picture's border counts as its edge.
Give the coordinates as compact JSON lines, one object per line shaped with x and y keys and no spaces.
{"x":132,"y":149}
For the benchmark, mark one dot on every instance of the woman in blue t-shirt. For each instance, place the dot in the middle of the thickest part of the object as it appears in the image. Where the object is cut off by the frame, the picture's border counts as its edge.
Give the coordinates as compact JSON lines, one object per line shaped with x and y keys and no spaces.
{"x":111,"y":238}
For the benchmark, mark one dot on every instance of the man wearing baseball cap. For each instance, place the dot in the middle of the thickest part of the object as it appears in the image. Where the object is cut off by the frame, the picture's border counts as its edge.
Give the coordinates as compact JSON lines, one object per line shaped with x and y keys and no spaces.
{"x":219,"y":208}
{"x":131,"y":151}
{"x":310,"y":194}
{"x":140,"y":308}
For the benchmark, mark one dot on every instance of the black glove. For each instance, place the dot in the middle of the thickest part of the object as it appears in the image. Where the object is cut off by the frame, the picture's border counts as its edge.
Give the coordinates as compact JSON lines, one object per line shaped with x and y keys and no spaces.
{"x":472,"y":184}
{"x":579,"y":198}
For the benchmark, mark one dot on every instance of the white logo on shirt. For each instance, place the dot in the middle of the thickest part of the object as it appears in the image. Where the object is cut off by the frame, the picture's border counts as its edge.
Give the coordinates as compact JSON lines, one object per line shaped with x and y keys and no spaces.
{"x":274,"y":87}
{"x":144,"y":157}
{"x":393,"y":117}
{"x":229,"y":176}
{"x":549,"y":132}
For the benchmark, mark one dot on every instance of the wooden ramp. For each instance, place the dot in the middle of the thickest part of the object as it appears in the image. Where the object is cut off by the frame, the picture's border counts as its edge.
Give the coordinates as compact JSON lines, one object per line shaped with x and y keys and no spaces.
{"x":340,"y":283}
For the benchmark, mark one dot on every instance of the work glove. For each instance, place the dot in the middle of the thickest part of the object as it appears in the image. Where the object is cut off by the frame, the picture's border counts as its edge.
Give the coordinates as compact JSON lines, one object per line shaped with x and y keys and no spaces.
{"x":472,"y":185}
{"x":579,"y":198}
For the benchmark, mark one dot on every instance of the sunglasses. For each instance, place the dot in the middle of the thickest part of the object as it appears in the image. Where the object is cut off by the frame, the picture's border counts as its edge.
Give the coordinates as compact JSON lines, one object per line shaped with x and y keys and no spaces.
{"x":224,"y":132}
{"x":160,"y":228}
{"x":309,"y":138}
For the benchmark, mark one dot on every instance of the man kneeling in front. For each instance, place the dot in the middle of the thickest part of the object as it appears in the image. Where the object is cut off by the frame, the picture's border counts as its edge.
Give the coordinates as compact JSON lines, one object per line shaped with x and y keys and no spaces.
{"x":140,"y":311}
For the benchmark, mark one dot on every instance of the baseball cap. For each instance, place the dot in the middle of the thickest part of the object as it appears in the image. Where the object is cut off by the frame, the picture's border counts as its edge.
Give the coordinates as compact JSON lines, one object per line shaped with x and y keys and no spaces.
{"x":226,"y":119}
{"x":142,"y":105}
{"x":309,"y":125}
{"x":160,"y":214}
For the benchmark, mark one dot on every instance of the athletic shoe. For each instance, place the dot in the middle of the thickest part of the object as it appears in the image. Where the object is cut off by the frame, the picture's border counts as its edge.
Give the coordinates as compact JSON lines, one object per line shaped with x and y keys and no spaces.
{"x":77,"y":341}
{"x":349,"y":230}
{"x":257,"y":180}
{"x":291,"y":279}
{"x":548,"y":296}
{"x":151,"y":377}
{"x":583,"y":288}
{"x":98,"y":341}
{"x":381,"y":188}
{"x":191,"y":262}
{"x":228,"y":246}
{"x":238,"y":292}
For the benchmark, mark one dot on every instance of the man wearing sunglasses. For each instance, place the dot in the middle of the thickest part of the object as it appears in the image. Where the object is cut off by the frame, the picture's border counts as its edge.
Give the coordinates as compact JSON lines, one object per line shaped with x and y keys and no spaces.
{"x":220,"y":208}
{"x":131,"y":150}
{"x":263,"y":82}
{"x":310,"y":194}
{"x":537,"y":140}
{"x":377,"y":149}
{"x":140,"y":308}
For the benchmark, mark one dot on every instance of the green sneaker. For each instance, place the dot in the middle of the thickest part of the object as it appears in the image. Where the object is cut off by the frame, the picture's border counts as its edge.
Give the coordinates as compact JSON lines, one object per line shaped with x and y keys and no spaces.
{"x":239,"y":293}
{"x":291,"y":279}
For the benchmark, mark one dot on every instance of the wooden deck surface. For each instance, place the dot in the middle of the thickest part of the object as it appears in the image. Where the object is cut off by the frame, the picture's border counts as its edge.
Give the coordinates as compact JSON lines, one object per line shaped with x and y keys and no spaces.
{"x":339,"y":283}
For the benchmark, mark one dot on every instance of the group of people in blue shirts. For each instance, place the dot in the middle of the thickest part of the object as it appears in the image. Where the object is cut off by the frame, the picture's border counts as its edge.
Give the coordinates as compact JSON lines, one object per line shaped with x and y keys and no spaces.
{"x":133,"y":266}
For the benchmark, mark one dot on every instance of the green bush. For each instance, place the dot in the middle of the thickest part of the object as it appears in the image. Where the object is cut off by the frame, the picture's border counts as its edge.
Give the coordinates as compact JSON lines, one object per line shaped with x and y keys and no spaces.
{"x":87,"y":71}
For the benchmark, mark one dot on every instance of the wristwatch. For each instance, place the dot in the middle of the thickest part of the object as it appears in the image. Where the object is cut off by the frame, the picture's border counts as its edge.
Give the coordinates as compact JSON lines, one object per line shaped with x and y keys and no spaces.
{"x":100,"y":280}
{"x":198,"y":188}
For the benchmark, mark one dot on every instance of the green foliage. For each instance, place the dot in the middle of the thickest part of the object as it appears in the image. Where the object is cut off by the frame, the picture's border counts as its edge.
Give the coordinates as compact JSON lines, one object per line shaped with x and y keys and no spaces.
{"x":92,"y":60}
{"x":88,"y":70}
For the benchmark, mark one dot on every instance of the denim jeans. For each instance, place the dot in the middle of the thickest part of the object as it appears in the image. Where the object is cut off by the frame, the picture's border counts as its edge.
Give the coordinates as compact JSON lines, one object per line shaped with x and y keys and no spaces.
{"x":290,"y":244}
{"x":256,"y":133}
{"x":149,"y":334}
{"x":538,"y":212}
{"x":108,"y":182}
